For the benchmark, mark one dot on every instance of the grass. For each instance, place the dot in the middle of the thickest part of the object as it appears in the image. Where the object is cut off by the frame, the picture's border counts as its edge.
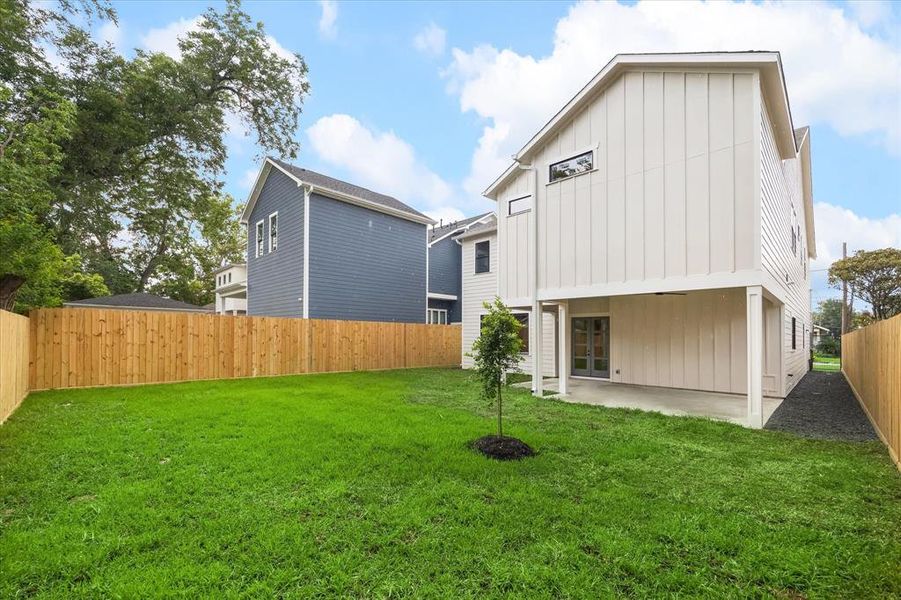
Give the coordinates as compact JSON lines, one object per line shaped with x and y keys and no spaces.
{"x":826,"y":362}
{"x":362,"y":485}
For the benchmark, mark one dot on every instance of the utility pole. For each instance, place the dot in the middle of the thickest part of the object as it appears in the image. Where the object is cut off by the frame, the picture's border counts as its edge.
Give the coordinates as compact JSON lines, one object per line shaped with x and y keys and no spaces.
{"x":845,"y":316}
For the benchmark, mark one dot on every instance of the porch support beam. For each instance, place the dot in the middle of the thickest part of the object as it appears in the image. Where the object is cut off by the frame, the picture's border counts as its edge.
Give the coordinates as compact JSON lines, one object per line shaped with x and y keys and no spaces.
{"x":535,"y":330}
{"x":755,"y":355}
{"x":563,"y":347}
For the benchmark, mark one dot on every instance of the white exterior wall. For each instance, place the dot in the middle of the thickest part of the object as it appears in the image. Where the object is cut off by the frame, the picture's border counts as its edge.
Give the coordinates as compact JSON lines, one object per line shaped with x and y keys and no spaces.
{"x":782,"y":209}
{"x":696,"y":341}
{"x":483,"y":287}
{"x":672,"y":198}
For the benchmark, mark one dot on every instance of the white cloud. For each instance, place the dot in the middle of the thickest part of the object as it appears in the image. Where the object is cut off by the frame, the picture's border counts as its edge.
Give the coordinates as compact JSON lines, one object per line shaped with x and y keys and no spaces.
{"x":430,"y":40}
{"x":248,"y":179}
{"x":380,"y":160}
{"x":870,"y":12}
{"x":111,"y":33}
{"x":446,"y":214}
{"x":836,"y":73}
{"x":836,"y":224}
{"x":327,"y":22}
{"x":165,"y":39}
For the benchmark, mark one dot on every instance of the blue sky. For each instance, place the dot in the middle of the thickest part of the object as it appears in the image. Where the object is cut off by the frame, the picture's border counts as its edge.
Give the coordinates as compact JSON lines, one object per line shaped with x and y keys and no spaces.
{"x":427,"y":101}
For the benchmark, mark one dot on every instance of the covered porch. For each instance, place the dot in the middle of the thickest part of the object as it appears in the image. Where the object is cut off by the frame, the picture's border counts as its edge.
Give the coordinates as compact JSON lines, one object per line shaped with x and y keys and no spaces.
{"x":713,"y":353}
{"x":668,"y":401}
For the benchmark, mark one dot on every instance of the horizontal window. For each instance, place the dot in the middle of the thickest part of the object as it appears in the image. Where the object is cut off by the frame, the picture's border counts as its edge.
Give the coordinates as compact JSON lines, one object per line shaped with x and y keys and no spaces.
{"x":437,"y":316}
{"x":572,"y":166}
{"x":519,"y":205}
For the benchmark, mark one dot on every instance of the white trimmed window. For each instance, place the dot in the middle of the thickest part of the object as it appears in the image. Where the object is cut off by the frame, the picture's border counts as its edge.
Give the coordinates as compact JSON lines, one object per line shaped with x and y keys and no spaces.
{"x":437,"y":316}
{"x":273,"y":232}
{"x":575,"y":165}
{"x":519,"y":205}
{"x":483,"y":257}
{"x":259,"y":239}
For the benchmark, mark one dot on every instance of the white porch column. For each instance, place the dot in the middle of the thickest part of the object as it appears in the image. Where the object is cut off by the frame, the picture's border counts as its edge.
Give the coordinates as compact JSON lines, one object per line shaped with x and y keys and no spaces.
{"x":563,"y":347}
{"x":755,"y":356}
{"x":535,"y":330}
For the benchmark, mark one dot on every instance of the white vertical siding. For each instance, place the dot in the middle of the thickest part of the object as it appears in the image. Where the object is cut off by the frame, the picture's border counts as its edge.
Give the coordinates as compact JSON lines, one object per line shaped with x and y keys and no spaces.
{"x":670,"y":196}
{"x":782,"y":208}
{"x":696,"y":341}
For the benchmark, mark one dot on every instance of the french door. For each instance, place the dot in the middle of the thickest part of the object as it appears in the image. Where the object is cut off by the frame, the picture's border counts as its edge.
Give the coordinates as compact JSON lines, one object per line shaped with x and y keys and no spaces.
{"x":591,"y":346}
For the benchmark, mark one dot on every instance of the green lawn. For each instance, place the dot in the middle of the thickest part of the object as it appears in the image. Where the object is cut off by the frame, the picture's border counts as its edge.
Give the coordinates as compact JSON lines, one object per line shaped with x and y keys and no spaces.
{"x":826,"y":362}
{"x":362,"y":485}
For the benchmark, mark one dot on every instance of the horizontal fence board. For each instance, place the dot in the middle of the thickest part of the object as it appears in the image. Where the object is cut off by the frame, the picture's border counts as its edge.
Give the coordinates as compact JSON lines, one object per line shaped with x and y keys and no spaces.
{"x":871,"y":362}
{"x":82,"y":347}
{"x":15,"y":341}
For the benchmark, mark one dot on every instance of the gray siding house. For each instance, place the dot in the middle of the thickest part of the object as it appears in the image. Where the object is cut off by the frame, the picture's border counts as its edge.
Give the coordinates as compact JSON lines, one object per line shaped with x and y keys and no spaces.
{"x":445,"y":270}
{"x":322,"y":248}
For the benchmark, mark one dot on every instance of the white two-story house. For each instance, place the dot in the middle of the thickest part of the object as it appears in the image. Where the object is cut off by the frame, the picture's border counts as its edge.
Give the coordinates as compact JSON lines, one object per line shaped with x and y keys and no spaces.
{"x":664,"y":217}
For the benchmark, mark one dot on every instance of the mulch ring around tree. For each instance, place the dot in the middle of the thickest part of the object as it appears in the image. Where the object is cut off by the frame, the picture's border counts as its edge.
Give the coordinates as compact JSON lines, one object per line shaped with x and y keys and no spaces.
{"x":502,"y":447}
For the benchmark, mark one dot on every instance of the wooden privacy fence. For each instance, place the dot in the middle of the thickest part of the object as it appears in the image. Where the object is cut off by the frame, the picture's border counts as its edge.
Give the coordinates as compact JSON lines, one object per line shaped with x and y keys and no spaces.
{"x":871,"y":362}
{"x":80,"y":347}
{"x":13,"y":362}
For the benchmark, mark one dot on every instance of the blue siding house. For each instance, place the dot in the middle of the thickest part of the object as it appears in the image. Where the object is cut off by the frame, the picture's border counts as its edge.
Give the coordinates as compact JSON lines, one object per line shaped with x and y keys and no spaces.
{"x":445,"y":270}
{"x":322,"y":248}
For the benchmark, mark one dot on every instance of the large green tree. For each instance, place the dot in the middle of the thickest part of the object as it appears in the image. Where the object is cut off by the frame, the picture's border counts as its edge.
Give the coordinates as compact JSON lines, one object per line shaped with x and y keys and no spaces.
{"x":874,"y":277}
{"x":136,"y":191}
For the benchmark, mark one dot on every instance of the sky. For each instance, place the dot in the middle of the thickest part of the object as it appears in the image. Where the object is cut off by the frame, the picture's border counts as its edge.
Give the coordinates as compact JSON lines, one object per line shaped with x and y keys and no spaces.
{"x":428,"y":101}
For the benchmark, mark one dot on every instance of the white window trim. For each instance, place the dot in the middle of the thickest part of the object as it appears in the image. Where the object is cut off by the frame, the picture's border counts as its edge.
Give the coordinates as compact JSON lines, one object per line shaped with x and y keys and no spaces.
{"x":269,"y":237}
{"x":437,"y":312}
{"x":260,"y":239}
{"x":578,"y":152}
{"x":510,"y":202}
{"x":475,"y":257}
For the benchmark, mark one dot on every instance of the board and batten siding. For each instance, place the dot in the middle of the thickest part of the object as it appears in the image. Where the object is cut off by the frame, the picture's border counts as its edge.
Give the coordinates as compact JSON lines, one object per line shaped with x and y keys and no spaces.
{"x":694,"y":341}
{"x":672,"y":193}
{"x":483,"y":287}
{"x":365,"y":265}
{"x":275,"y":279}
{"x":782,"y":209}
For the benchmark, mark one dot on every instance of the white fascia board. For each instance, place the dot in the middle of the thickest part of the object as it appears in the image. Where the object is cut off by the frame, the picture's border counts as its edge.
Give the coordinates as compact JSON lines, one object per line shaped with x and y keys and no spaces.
{"x":255,"y":191}
{"x":438,"y":296}
{"x":620,"y":62}
{"x":807,"y":187}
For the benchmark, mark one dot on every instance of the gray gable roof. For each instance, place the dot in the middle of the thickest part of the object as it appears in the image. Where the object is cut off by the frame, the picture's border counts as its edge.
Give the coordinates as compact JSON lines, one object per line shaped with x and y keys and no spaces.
{"x":330,"y":183}
{"x":439,"y":232}
{"x":137,"y":300}
{"x":478,"y":228}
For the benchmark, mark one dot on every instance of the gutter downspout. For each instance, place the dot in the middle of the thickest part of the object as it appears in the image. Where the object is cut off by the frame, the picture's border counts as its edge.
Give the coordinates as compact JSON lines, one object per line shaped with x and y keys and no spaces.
{"x":307,"y":192}
{"x":536,"y":321}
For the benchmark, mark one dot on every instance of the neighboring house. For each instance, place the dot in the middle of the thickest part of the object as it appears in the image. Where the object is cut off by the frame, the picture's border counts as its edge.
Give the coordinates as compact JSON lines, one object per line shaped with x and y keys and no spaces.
{"x":665,"y":214}
{"x":480,"y":285}
{"x":445,"y":256}
{"x":231,"y":289}
{"x":820,"y":333}
{"x":136,"y":301}
{"x":323,"y":248}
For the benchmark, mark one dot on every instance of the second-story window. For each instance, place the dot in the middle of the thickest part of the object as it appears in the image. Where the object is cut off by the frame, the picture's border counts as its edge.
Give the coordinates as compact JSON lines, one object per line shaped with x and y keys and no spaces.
{"x":518,"y":205}
{"x":259,"y":239}
{"x":794,"y":242}
{"x":571,"y":166}
{"x":273,"y":232}
{"x":794,"y":334}
{"x":483,"y":257}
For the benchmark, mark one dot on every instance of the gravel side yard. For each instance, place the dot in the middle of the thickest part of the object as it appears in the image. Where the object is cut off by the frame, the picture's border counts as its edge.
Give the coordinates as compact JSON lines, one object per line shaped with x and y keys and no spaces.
{"x":823,"y":407}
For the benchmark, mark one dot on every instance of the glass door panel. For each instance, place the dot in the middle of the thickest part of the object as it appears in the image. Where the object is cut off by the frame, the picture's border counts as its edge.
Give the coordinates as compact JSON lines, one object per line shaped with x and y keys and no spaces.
{"x":600,"y":347}
{"x":581,"y":348}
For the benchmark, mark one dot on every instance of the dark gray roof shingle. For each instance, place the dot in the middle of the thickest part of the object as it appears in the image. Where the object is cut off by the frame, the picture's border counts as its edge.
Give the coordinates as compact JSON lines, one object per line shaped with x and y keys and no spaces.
{"x":324,"y":181}
{"x":136,"y":300}
{"x":438,"y":232}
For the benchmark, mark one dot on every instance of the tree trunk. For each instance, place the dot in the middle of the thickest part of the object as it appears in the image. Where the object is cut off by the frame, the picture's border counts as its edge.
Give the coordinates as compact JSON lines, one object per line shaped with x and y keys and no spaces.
{"x":500,"y":427}
{"x":9,"y":287}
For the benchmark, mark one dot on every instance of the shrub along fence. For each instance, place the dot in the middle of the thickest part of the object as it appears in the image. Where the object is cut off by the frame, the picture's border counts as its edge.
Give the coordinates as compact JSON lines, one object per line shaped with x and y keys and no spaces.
{"x":13,"y":362}
{"x":871,"y":362}
{"x":84,"y":347}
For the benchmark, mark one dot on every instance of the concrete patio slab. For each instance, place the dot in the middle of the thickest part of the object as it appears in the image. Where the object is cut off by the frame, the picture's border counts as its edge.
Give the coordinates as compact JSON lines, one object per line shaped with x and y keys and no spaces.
{"x":668,"y":401}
